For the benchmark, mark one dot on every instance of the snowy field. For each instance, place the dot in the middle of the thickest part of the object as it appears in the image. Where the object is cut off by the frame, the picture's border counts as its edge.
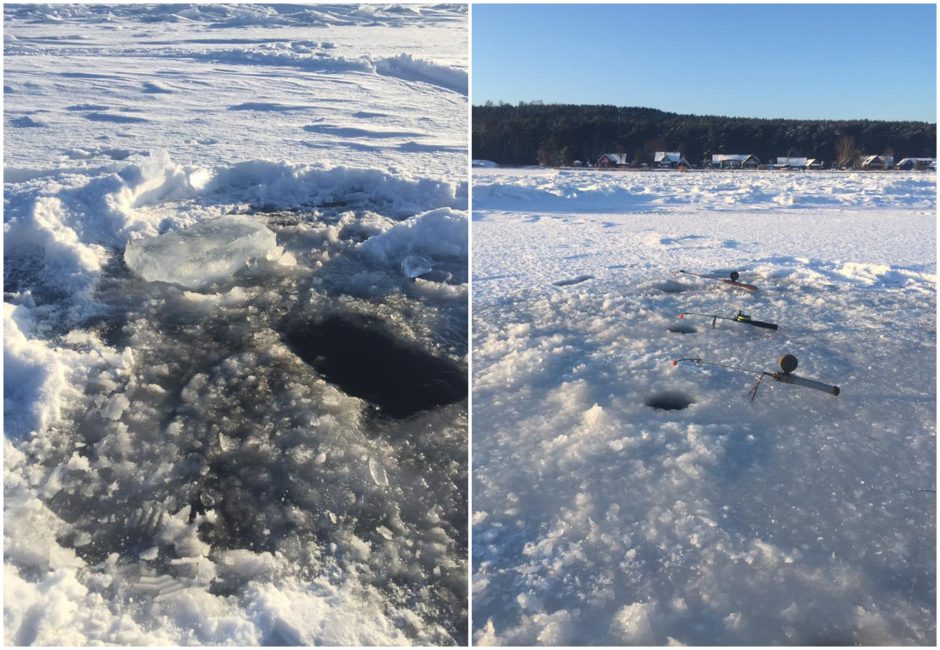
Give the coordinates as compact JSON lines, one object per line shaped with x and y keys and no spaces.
{"x":798,"y":518}
{"x":235,"y":348}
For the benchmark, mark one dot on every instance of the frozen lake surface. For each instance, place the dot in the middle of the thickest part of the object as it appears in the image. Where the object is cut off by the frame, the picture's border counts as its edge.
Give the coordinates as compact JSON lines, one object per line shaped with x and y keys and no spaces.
{"x":619,"y":499}
{"x":231,"y":416}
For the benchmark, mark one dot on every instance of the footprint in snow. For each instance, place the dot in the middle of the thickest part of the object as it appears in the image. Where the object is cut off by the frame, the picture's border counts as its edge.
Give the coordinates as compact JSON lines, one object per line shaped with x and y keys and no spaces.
{"x":679,"y":241}
{"x":86,"y":154}
{"x":570,"y":281}
{"x":87,"y":107}
{"x":155,"y":88}
{"x":112,"y":117}
{"x":25,"y":122}
{"x":266,"y":107}
{"x":354,"y":132}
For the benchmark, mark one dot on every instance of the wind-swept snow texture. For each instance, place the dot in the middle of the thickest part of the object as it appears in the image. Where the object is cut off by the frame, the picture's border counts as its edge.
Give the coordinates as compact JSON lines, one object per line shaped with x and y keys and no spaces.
{"x":621,"y":500}
{"x":207,"y":210}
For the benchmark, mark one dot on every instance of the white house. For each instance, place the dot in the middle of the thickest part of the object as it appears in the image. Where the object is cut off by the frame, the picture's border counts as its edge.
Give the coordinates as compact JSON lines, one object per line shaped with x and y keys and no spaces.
{"x":877,"y":162}
{"x":735,"y":160}
{"x":670,"y":159}
{"x":612,"y":160}
{"x":916,"y":163}
{"x":794,"y":162}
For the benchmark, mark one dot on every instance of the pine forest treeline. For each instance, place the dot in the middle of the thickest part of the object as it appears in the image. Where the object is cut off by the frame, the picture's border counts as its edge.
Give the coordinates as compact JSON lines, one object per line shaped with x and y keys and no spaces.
{"x":559,"y":134}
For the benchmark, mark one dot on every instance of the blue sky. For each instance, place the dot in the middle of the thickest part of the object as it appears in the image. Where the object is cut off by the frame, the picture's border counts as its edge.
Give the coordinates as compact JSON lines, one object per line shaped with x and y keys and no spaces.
{"x":789,"y":61}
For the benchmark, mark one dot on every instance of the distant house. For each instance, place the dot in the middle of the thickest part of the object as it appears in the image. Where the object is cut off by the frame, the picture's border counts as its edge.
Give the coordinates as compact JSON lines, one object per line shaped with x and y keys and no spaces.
{"x":795,"y":162}
{"x":670,"y":160}
{"x":877,"y":162}
{"x":916,"y":164}
{"x":735,"y":161}
{"x":612,"y":160}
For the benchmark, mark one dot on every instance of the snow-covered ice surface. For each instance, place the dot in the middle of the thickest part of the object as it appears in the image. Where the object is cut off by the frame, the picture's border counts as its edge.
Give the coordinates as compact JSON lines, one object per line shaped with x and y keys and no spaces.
{"x":800,"y":518}
{"x":230,"y":417}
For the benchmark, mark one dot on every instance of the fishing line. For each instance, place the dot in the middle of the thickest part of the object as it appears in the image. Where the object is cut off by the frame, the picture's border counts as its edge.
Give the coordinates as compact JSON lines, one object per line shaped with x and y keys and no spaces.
{"x":740,"y":317}
{"x":788,"y":363}
{"x":731,"y":280}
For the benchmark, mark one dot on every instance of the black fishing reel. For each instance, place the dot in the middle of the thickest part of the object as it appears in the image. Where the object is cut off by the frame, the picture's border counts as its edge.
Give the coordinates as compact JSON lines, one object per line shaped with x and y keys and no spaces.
{"x":788,"y":363}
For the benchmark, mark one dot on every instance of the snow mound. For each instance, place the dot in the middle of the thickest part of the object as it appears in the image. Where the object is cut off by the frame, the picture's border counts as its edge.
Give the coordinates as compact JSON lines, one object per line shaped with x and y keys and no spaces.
{"x":405,"y":66}
{"x":318,"y":57}
{"x":441,"y":232}
{"x":40,"y":377}
{"x":202,"y":254}
{"x":266,"y":183}
{"x":303,"y":55}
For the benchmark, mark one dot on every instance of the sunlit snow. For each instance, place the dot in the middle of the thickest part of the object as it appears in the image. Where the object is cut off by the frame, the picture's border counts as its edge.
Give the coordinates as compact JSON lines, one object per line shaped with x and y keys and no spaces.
{"x":619,"y":499}
{"x":192,"y":193}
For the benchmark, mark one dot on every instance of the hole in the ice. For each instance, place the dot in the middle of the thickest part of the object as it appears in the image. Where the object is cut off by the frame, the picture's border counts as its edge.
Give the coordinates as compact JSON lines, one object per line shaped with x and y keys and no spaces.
{"x":681,"y":328}
{"x":670,"y":400}
{"x":672,"y":287}
{"x":366,"y":362}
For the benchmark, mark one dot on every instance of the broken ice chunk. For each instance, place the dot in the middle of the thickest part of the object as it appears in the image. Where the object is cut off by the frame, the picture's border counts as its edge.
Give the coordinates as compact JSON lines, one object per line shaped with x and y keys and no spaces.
{"x":378,"y":473}
{"x":149,"y":554}
{"x":415,"y":265}
{"x":158,"y":586}
{"x":145,"y":521}
{"x":201,"y":254}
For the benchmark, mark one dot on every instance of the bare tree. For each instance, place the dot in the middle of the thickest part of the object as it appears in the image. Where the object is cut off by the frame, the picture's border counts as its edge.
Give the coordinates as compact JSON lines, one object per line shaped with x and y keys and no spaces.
{"x":651,"y":147}
{"x":546,"y":155}
{"x":567,"y":155}
{"x":846,"y":151}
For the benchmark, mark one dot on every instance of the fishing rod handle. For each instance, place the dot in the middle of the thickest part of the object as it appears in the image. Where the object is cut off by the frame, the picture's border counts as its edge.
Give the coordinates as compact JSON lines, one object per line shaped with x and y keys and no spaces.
{"x":757,"y":323}
{"x":807,"y":383}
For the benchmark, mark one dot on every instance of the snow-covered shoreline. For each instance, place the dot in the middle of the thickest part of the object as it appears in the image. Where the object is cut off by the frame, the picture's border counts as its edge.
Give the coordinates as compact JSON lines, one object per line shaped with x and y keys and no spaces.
{"x":628,"y":191}
{"x":800,"y":518}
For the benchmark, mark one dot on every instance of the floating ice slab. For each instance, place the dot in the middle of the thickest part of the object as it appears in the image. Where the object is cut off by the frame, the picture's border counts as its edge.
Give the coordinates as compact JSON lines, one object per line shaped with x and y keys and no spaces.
{"x":201,"y":254}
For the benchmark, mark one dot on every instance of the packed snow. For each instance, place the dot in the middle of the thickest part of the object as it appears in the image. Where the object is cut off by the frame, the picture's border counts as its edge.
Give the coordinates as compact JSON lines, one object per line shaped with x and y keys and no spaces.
{"x":621,"y":499}
{"x":207,"y":213}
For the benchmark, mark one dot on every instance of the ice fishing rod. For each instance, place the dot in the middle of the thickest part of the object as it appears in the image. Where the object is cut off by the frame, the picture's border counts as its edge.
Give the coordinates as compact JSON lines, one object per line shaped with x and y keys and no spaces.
{"x":733,"y":281}
{"x":741,"y":317}
{"x":788,"y":364}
